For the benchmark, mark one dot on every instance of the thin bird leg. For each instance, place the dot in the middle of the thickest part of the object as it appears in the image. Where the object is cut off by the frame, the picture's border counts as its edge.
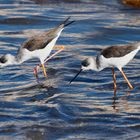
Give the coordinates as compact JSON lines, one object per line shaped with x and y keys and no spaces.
{"x":61,"y":48}
{"x":36,"y":69}
{"x":126,"y":79}
{"x":114,"y":81}
{"x":36,"y":72}
{"x":44,"y":70}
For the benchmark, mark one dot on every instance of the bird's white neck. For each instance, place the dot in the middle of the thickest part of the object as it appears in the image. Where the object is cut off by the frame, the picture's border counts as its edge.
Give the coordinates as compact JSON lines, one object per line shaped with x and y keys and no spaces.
{"x":95,"y":65}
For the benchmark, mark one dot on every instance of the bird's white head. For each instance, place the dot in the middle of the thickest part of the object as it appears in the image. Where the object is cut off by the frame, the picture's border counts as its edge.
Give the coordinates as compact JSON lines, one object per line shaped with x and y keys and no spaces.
{"x":89,"y":64}
{"x":7,"y":59}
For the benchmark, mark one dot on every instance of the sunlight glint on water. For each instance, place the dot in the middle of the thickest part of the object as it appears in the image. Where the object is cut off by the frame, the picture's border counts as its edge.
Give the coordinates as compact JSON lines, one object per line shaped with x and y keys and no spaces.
{"x":54,"y":109}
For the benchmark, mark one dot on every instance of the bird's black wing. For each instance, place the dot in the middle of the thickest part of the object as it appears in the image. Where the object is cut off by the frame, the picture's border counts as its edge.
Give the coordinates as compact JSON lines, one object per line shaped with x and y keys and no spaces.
{"x":40,"y":41}
{"x":117,"y":51}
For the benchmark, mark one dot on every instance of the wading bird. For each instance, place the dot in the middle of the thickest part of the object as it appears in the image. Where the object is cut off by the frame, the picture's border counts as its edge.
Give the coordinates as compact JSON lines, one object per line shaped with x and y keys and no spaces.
{"x":39,"y":46}
{"x":114,"y":56}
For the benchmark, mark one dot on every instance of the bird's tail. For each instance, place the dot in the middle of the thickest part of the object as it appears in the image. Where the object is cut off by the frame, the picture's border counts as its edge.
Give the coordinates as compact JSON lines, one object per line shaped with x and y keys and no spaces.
{"x":57,"y":31}
{"x":66,"y":22}
{"x":136,"y":44}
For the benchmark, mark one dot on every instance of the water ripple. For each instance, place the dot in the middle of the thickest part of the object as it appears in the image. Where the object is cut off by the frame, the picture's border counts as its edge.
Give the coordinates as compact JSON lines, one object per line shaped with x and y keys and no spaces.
{"x":55,"y":109}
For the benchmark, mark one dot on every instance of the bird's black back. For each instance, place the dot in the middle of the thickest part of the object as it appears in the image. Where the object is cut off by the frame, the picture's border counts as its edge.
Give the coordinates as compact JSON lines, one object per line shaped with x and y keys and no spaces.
{"x":40,"y":41}
{"x":117,"y":51}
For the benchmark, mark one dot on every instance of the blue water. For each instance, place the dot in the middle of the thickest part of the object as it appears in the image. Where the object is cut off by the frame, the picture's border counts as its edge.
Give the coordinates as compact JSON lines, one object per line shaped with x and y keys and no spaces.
{"x":53,"y":109}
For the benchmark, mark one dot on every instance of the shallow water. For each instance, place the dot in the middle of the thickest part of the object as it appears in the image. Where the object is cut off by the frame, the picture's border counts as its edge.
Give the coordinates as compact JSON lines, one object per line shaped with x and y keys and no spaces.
{"x":53,"y":109}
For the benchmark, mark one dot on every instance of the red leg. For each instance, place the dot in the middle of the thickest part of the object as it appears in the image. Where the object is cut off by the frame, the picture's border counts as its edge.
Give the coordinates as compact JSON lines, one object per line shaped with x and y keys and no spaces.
{"x":126,"y":79}
{"x":36,"y":72}
{"x":61,"y":48}
{"x":114,"y":81}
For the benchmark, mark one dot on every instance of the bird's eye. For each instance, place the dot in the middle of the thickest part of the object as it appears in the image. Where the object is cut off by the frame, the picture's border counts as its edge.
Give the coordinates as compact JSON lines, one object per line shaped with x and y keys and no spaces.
{"x":3,"y":59}
{"x":85,"y":63}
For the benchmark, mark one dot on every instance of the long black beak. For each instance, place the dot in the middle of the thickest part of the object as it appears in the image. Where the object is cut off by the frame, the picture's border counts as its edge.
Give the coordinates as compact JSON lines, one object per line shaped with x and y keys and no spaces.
{"x":67,"y":22}
{"x":76,"y":75}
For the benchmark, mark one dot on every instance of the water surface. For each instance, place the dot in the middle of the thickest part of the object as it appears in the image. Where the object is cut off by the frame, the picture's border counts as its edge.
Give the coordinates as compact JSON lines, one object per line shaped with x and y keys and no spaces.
{"x":53,"y":109}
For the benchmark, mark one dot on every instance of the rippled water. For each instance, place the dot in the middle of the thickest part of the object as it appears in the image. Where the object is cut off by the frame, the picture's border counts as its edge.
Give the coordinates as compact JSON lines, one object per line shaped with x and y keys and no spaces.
{"x":53,"y":109}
